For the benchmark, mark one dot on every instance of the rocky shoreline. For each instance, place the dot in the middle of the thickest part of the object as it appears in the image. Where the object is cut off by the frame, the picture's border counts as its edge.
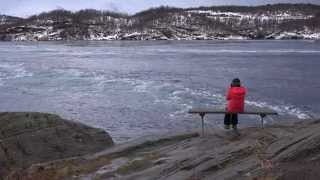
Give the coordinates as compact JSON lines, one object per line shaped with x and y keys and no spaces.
{"x":277,"y":152}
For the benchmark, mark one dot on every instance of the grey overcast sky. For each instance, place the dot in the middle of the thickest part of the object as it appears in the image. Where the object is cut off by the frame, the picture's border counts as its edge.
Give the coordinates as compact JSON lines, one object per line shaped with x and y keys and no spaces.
{"x":25,"y":8}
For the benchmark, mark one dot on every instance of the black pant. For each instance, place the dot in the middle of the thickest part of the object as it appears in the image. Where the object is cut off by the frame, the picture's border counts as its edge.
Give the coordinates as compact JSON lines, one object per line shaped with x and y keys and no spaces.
{"x":231,"y":119}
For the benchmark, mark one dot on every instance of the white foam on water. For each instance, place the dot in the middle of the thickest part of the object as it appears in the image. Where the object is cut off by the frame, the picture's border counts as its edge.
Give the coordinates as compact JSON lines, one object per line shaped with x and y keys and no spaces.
{"x":281,"y":109}
{"x":12,"y":71}
{"x":181,"y":96}
{"x":193,"y":96}
{"x":99,"y":79}
{"x":142,"y":86}
{"x":162,"y":92}
{"x":71,"y":72}
{"x":177,"y":95}
{"x":21,"y":72}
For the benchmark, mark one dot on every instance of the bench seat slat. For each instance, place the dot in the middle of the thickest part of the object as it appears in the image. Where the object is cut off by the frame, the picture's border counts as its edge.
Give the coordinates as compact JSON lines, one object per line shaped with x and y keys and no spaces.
{"x":222,"y":111}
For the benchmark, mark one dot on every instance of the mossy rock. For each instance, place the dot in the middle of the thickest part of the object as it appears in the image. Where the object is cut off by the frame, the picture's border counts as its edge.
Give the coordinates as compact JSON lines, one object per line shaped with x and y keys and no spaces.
{"x":27,"y":138}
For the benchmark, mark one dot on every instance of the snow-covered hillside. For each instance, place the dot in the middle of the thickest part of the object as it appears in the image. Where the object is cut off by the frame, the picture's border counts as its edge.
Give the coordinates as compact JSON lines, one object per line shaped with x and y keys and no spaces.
{"x":281,"y":21}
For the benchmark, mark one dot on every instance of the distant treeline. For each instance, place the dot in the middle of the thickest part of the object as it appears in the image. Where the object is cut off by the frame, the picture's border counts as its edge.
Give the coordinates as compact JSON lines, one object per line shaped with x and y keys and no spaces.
{"x":61,"y":14}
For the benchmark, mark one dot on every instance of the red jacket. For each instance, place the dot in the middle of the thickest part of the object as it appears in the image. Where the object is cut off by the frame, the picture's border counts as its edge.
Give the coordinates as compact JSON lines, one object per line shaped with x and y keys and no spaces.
{"x":235,"y":98}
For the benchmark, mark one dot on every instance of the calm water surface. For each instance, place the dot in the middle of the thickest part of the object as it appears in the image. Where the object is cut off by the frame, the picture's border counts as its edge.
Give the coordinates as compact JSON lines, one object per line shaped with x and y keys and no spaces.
{"x":132,"y":89}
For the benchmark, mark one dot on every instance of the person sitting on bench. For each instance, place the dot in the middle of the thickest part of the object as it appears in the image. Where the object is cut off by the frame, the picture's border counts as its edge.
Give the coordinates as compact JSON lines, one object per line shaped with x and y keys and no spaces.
{"x":235,"y":97}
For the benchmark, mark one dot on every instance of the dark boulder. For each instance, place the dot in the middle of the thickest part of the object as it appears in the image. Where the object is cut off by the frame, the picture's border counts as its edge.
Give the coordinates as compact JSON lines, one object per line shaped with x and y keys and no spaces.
{"x":29,"y":138}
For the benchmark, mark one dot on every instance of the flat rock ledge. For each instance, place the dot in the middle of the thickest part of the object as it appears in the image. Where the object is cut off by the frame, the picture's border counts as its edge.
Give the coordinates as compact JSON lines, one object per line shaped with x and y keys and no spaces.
{"x":277,"y":152}
{"x":28,"y":138}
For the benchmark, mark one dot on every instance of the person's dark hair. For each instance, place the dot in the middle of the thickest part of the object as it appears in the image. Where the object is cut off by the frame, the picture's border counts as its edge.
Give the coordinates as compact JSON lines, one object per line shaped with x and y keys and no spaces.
{"x":236,"y":82}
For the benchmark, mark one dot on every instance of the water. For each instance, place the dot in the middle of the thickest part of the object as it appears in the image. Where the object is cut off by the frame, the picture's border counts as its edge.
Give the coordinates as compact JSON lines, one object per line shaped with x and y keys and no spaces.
{"x":132,"y":89}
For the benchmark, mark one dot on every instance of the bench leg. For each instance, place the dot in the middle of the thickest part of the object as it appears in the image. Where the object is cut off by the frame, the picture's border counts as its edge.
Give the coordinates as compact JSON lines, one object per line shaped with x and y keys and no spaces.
{"x":202,"y":123}
{"x":262,"y":120}
{"x":202,"y":126}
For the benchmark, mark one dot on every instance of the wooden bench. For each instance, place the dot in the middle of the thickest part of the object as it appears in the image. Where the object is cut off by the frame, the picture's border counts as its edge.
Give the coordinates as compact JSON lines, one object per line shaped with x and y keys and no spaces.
{"x":203,"y":111}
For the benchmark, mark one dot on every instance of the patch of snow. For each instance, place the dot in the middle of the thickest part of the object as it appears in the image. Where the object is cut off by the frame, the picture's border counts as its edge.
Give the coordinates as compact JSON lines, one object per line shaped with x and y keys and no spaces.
{"x":232,"y":37}
{"x":3,"y":20}
{"x":287,"y":35}
{"x":21,"y":38}
{"x":263,"y":17}
{"x":132,"y":34}
{"x":312,"y":36}
{"x":297,"y":35}
{"x":102,"y":36}
{"x":112,"y":37}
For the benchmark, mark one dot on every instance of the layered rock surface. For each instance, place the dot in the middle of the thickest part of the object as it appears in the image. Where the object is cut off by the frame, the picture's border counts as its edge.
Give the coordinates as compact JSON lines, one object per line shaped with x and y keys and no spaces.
{"x":29,"y":138}
{"x":275,"y":152}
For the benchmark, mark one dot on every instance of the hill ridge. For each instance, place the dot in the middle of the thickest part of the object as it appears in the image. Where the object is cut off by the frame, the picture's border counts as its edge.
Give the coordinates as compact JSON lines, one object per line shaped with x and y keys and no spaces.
{"x":278,"y":21}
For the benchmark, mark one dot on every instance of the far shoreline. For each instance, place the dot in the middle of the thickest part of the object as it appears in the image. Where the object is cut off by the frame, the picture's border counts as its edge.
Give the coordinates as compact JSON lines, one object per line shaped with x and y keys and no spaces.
{"x":175,"y":40}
